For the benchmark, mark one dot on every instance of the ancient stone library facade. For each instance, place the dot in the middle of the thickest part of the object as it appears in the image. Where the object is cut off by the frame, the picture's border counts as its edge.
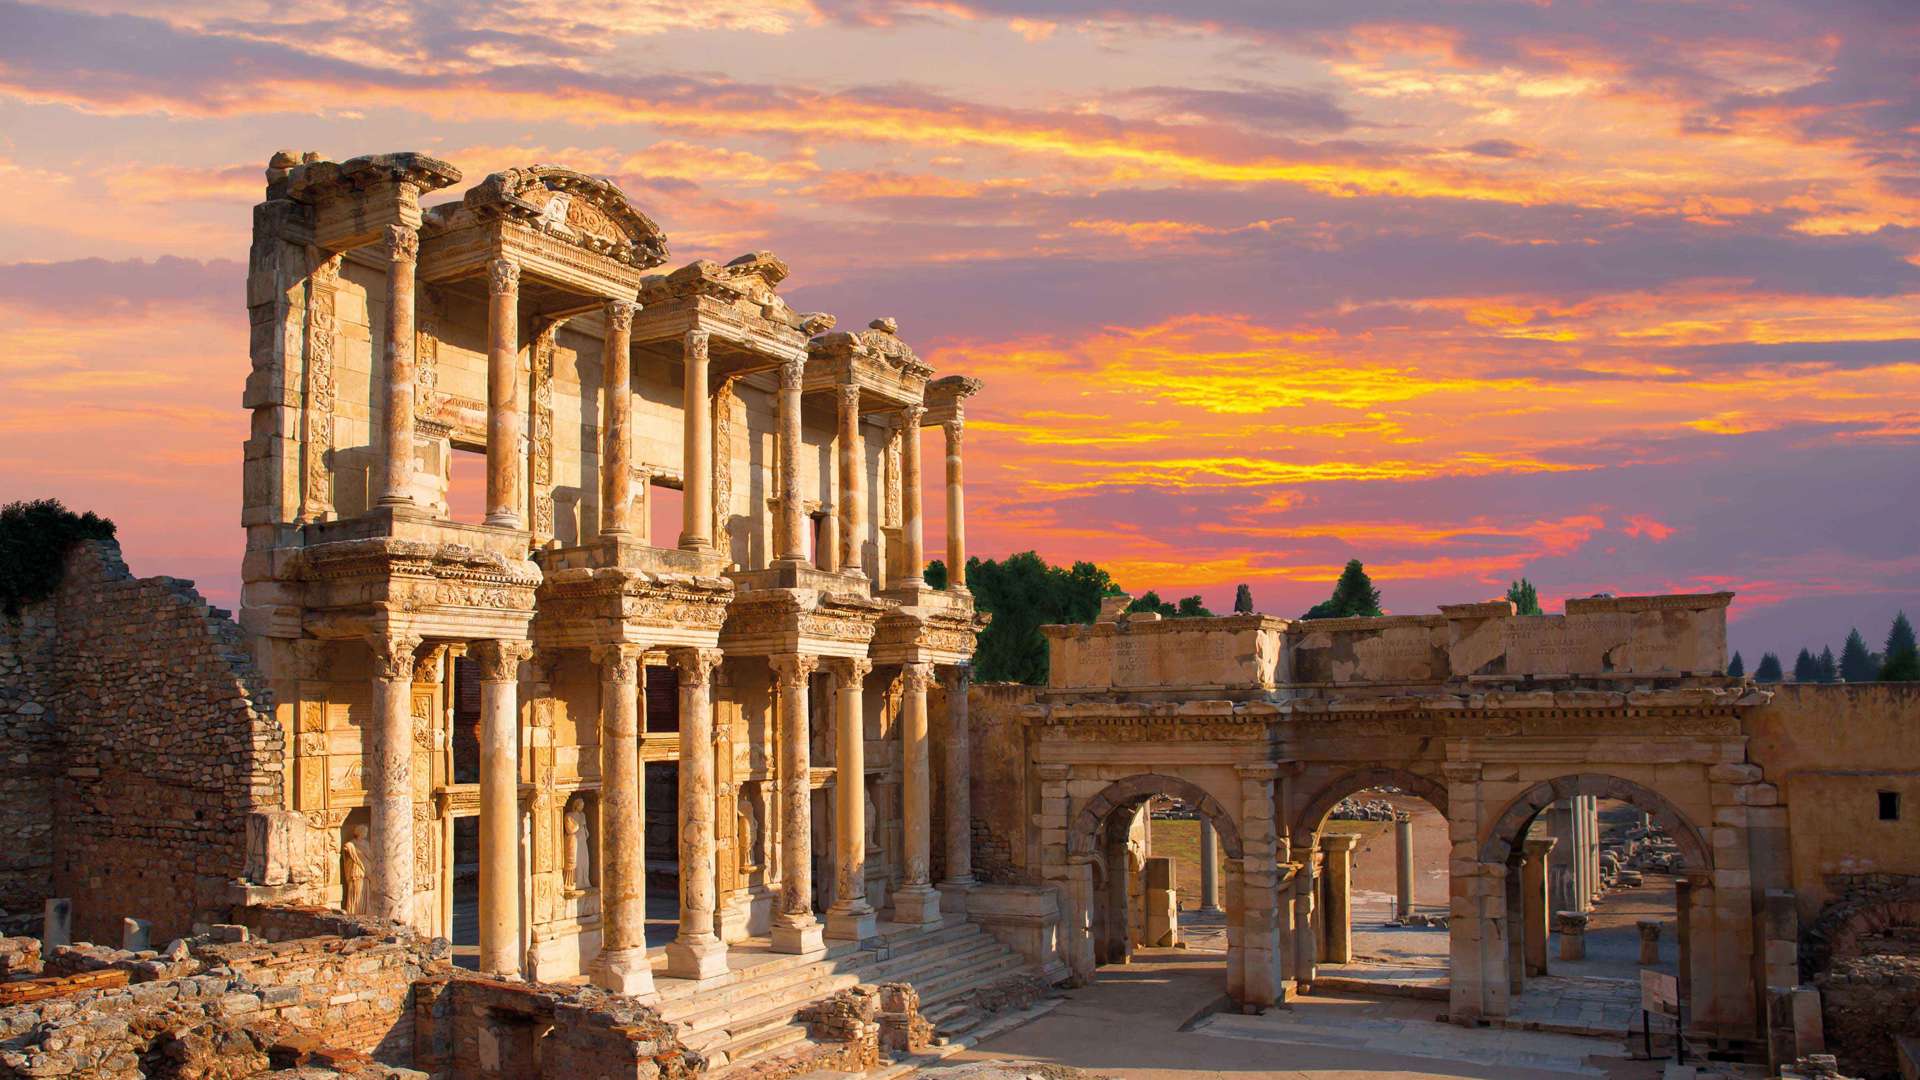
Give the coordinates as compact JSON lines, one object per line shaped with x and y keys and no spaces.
{"x":587,"y":713}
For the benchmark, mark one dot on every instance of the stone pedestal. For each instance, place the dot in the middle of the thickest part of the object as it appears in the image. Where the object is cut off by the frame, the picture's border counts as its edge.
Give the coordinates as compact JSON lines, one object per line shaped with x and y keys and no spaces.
{"x":1337,"y":875}
{"x":1403,"y":865}
{"x":1572,"y":928}
{"x":1649,"y":941}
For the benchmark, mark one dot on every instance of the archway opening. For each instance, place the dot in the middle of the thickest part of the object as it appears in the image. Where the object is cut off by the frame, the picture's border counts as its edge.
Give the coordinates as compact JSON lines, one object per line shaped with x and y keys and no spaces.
{"x":1603,"y":877}
{"x":1376,"y":891}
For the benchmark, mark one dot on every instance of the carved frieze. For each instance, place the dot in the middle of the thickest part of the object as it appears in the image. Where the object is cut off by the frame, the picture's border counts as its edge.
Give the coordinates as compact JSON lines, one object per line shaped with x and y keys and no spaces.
{"x":542,"y":449}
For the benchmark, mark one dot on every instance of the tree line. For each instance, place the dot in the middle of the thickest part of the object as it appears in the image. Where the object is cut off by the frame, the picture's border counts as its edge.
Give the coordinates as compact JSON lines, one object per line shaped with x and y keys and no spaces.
{"x":1897,"y":661}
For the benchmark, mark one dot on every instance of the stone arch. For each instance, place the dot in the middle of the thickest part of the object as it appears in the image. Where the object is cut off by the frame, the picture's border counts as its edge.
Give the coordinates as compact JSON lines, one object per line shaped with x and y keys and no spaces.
{"x":1082,"y":838}
{"x":1433,"y":791}
{"x":1837,"y":932}
{"x":1513,"y":821}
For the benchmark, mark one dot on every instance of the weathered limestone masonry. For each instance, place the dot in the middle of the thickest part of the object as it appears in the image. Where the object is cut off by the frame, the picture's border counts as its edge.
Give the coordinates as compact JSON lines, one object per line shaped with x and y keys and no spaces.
{"x":139,"y":742}
{"x":1775,"y":797}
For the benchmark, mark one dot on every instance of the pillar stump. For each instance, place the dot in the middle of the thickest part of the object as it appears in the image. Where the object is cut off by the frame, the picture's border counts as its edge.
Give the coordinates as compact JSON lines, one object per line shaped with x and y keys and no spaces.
{"x":1572,"y":928}
{"x":1649,"y":941}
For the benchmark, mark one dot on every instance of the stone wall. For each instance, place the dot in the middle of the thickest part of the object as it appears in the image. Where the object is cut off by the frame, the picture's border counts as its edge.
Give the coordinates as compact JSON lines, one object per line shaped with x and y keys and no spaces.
{"x":139,"y":707}
{"x":999,"y":772}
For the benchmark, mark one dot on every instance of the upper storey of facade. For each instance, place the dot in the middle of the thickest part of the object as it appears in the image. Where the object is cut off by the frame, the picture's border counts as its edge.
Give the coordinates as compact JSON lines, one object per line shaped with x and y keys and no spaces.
{"x":461,"y":405}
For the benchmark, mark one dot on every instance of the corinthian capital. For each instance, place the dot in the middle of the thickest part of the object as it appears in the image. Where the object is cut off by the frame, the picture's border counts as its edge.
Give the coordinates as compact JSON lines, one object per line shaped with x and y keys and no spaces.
{"x":620,"y":315}
{"x":911,"y":415}
{"x":849,"y":670}
{"x":955,"y":430}
{"x":696,"y":666}
{"x":403,"y":243}
{"x":956,"y":677}
{"x":619,"y":664}
{"x":791,"y":374}
{"x":504,"y":276}
{"x":393,"y":654}
{"x":695,"y":345}
{"x":917,"y":677}
{"x":790,"y":670}
{"x":500,"y":660}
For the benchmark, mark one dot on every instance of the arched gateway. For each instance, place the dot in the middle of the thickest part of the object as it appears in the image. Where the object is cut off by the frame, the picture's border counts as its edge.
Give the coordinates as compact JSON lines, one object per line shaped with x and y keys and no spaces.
{"x":1262,"y":725}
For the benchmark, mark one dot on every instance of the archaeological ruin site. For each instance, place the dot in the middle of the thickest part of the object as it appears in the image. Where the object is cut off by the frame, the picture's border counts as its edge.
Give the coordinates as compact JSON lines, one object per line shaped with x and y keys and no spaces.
{"x":587,"y":714}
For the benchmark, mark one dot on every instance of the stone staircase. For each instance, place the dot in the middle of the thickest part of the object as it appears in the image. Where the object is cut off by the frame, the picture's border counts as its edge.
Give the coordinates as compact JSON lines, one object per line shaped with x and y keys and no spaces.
{"x":753,"y":1015}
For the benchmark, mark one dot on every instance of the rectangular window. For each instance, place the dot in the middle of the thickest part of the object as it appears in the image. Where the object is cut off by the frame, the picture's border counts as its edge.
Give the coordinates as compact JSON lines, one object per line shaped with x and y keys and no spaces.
{"x":1889,"y":806}
{"x":467,"y":485}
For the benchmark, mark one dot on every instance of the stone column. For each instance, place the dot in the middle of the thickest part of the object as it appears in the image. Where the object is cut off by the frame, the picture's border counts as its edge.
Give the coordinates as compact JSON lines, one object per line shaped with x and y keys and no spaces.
{"x":697,"y":952}
{"x":914,"y":576}
{"x":505,"y":497}
{"x":917,"y":901}
{"x":956,"y":510}
{"x":696,"y":504}
{"x":851,"y":918}
{"x":1209,"y":867}
{"x":616,"y":426}
{"x":1337,"y":850}
{"x":958,"y":775}
{"x":622,"y":964}
{"x":499,"y":663}
{"x":389,"y":778}
{"x":1563,"y":891}
{"x":853,"y":482}
{"x":1403,"y":864}
{"x":790,"y":541}
{"x":795,"y":930}
{"x":1265,"y":975}
{"x":1534,"y":904}
{"x":396,"y":425}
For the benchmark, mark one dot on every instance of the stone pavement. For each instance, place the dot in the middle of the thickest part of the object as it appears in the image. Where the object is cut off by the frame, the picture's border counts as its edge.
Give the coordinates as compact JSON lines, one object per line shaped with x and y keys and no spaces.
{"x":1149,"y":1020}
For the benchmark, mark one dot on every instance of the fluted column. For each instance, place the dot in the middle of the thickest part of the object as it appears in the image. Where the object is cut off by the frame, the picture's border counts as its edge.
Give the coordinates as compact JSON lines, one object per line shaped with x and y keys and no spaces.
{"x":792,"y":542}
{"x":499,"y":663}
{"x":697,"y":952}
{"x":853,"y":483}
{"x":956,"y":510}
{"x":914,"y":575}
{"x":622,"y":964}
{"x":389,"y":778}
{"x":696,"y":503}
{"x":616,"y":426}
{"x":795,"y":930}
{"x":396,"y":426}
{"x":504,"y":489}
{"x":850,"y":918}
{"x":958,"y":775}
{"x":917,"y":901}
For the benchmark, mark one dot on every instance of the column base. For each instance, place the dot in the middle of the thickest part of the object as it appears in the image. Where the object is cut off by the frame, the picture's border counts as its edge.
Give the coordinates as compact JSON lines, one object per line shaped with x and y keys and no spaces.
{"x":626,"y":971}
{"x":848,"y":925}
{"x":704,"y":962}
{"x":916,"y":904}
{"x":799,"y":939}
{"x":953,"y":895}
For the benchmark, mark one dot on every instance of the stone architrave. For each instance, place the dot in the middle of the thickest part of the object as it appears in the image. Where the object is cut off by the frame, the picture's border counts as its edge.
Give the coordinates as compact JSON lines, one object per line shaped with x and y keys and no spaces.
{"x":389,"y":777}
{"x":917,"y":901}
{"x":795,"y":929}
{"x":851,"y":918}
{"x":697,"y":952}
{"x":505,"y":500}
{"x":622,"y":965}
{"x":396,"y":423}
{"x":499,"y":663}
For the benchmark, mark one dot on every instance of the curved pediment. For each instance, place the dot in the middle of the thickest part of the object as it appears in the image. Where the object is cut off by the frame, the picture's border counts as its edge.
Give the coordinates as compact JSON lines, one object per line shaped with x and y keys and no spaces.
{"x":589,"y":211}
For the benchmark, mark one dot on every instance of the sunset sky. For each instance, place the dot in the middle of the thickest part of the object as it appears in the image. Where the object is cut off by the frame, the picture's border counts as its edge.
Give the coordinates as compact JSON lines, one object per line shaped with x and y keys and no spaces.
{"x":1623,"y":297}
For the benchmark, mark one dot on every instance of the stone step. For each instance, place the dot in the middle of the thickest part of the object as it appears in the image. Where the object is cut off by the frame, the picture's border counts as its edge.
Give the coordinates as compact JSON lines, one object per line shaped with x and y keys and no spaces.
{"x":787,"y":1000}
{"x":726,"y":1058}
{"x":916,"y":965}
{"x":947,"y":986}
{"x":677,"y":991}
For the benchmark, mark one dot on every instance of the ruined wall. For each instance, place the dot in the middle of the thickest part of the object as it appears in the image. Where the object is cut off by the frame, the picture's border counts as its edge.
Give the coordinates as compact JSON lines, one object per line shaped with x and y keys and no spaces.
{"x":27,"y":767}
{"x":1832,"y":749}
{"x":157,"y":744}
{"x":999,"y":773}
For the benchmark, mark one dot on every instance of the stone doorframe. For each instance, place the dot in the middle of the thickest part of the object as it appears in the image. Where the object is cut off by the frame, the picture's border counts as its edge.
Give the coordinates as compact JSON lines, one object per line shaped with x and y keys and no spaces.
{"x":1484,"y":965}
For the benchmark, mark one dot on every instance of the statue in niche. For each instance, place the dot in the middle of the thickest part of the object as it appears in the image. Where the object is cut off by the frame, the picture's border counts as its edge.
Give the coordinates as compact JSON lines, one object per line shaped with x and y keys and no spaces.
{"x":576,"y":850}
{"x":873,"y":821}
{"x":747,"y":825}
{"x":353,"y":872}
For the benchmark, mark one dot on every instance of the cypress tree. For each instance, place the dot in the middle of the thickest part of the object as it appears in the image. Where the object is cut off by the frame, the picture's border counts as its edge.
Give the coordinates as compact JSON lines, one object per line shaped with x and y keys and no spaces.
{"x":1525,"y":600}
{"x":1243,"y":601}
{"x":1829,"y":671}
{"x":1805,"y":668}
{"x":1856,"y":664}
{"x":1903,"y":659}
{"x":1769,"y":669}
{"x":1353,"y":594}
{"x":1736,"y":667}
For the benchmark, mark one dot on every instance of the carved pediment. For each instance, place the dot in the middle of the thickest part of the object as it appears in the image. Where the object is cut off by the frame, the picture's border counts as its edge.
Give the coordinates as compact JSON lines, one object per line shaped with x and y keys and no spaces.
{"x":587,"y":211}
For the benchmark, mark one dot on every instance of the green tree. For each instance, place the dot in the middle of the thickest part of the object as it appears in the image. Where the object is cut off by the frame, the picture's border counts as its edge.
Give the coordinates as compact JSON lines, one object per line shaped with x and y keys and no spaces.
{"x":1856,"y":664}
{"x":1525,"y":600}
{"x":1191,"y":607}
{"x":936,"y":574}
{"x":1805,"y":668}
{"x":1022,"y":593}
{"x":1769,"y":669}
{"x":1243,"y":601}
{"x":1353,"y":594}
{"x":1903,"y":659}
{"x":1151,"y":603}
{"x":35,"y":537}
{"x":1736,"y":667}
{"x":1829,"y":671}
